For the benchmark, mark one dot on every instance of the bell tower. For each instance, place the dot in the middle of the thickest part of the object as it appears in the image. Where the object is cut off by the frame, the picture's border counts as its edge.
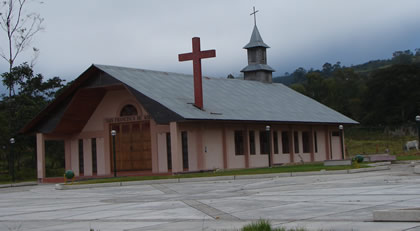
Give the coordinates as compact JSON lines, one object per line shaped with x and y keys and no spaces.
{"x":257,"y":68}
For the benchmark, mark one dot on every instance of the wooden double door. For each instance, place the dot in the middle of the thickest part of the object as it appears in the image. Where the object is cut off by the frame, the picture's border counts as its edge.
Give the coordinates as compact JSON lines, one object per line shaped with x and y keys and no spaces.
{"x":132,"y":146}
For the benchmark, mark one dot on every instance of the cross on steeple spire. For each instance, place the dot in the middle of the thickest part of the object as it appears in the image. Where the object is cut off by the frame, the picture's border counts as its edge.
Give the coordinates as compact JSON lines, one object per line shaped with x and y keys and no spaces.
{"x":254,"y":12}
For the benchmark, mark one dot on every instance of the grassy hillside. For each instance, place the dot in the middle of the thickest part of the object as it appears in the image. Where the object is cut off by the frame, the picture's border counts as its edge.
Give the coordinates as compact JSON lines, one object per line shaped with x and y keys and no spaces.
{"x":375,"y":141}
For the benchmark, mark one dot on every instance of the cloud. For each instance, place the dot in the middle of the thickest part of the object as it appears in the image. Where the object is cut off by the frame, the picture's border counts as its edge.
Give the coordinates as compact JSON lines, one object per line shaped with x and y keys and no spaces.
{"x":150,"y":34}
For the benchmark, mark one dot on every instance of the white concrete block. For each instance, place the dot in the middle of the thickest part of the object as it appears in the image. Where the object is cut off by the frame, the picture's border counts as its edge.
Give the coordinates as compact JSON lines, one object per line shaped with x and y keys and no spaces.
{"x":198,"y":179}
{"x":337,"y":162}
{"x":417,"y":169}
{"x":411,"y":214}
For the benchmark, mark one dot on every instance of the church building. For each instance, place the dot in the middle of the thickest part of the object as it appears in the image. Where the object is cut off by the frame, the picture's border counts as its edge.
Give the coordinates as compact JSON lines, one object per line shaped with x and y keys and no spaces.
{"x":162,"y":123}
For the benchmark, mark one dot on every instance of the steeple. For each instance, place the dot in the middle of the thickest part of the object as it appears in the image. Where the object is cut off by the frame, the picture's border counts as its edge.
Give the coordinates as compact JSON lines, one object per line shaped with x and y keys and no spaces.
{"x":257,"y":68}
{"x":256,"y":40}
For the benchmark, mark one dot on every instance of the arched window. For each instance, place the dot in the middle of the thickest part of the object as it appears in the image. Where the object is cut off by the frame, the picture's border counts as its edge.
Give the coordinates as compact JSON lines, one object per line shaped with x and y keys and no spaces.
{"x":128,"y":110}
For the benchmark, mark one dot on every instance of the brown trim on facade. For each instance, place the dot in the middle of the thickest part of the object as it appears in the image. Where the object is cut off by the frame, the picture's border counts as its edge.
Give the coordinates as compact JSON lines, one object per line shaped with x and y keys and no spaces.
{"x":73,"y":87}
{"x":291,"y":144}
{"x":327,"y":143}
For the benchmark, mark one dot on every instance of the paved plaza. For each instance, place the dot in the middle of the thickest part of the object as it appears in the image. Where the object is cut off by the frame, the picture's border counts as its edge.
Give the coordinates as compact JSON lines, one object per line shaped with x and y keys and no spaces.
{"x":319,"y":202}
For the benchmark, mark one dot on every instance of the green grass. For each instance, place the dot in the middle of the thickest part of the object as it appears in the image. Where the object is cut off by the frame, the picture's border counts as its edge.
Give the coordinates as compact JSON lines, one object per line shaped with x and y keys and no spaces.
{"x":408,"y":157}
{"x":252,"y":171}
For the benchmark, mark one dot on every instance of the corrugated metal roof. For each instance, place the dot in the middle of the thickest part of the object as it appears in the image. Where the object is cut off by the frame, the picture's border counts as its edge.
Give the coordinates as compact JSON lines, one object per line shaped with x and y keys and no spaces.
{"x":257,"y":67}
{"x":256,"y":40}
{"x":226,"y":99}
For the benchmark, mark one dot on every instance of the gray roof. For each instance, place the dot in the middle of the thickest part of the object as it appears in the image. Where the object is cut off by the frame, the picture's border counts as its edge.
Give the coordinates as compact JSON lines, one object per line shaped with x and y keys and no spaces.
{"x":226,"y":99}
{"x":257,"y":67}
{"x":256,"y":40}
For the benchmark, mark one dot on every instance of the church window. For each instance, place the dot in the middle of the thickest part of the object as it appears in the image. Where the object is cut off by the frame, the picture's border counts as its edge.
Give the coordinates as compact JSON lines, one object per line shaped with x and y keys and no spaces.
{"x":315,"y":141}
{"x":285,"y":143}
{"x":252,"y":142}
{"x":128,"y":110}
{"x":296,"y":141}
{"x":305,"y":142}
{"x":239,"y":143}
{"x":275,"y":143}
{"x":168,"y":150}
{"x":252,"y":54}
{"x":94,"y":156}
{"x":184,"y":139}
{"x":264,"y":146}
{"x":81,"y":159}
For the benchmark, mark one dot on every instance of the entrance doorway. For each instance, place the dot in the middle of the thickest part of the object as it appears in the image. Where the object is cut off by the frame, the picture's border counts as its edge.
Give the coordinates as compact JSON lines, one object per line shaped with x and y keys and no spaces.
{"x":132,"y":147}
{"x":336,"y":145}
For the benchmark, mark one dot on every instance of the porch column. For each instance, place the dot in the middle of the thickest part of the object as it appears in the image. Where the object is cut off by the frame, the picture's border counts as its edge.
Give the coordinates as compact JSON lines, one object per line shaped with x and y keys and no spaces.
{"x":40,"y":154}
{"x":154,"y":146}
{"x":224,"y":148}
{"x":271,"y":146}
{"x":175,"y":148}
{"x":343,"y":144}
{"x":201,"y":161}
{"x":87,"y":157}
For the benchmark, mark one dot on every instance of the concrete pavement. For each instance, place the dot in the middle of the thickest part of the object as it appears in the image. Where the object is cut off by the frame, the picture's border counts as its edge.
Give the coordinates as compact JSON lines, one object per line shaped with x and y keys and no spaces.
{"x":328,"y":202}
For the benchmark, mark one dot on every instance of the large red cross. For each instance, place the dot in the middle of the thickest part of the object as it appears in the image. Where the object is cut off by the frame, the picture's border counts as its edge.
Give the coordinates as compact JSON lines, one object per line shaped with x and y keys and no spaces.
{"x":196,"y":55}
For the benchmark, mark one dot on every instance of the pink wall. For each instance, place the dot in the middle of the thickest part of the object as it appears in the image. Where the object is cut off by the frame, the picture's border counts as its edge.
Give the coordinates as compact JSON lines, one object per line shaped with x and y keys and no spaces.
{"x":213,"y":150}
{"x":336,"y":147}
{"x":162,"y":153}
{"x":234,"y":161}
{"x":320,"y":155}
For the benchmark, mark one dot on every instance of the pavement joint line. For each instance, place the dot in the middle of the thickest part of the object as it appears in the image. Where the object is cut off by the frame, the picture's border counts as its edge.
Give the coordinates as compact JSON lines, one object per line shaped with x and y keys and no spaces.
{"x":411,"y":228}
{"x":52,"y":210}
{"x":164,"y":189}
{"x":108,"y":220}
{"x":149,"y":226}
{"x":302,"y":184}
{"x":210,"y":211}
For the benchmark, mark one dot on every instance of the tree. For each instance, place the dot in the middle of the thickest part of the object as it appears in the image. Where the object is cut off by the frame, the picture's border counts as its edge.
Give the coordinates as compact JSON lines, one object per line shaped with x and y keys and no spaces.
{"x":299,"y":75}
{"x":402,"y":57}
{"x":20,"y":27}
{"x":327,"y":69}
{"x":33,"y":93}
{"x":393,"y":97}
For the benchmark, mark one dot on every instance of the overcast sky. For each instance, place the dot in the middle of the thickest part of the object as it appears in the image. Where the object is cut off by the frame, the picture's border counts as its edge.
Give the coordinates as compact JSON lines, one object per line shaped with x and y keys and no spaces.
{"x":151,"y":34}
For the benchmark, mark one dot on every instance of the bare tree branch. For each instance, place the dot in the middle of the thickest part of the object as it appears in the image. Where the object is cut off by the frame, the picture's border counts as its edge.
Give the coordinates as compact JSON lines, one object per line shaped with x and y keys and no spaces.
{"x":20,"y":28}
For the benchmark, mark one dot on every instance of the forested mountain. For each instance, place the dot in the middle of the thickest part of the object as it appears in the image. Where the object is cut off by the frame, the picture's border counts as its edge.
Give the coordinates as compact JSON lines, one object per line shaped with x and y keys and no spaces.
{"x":379,"y":92}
